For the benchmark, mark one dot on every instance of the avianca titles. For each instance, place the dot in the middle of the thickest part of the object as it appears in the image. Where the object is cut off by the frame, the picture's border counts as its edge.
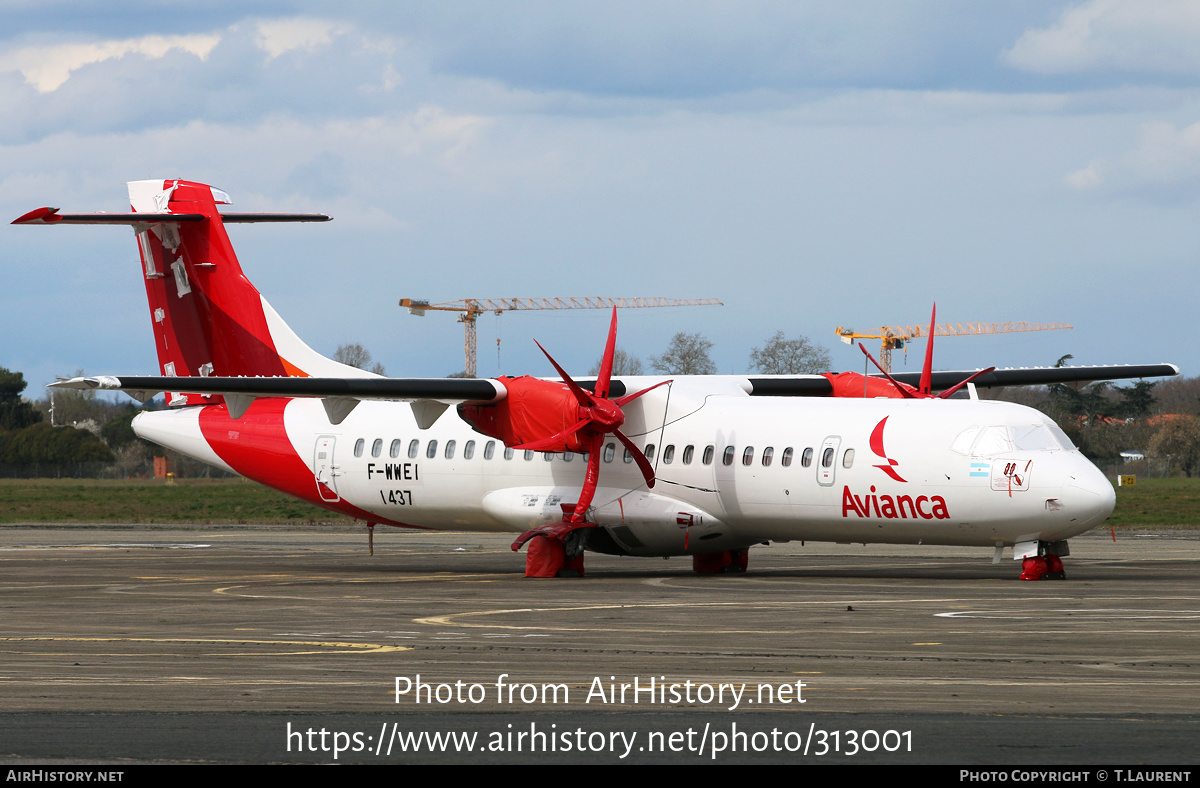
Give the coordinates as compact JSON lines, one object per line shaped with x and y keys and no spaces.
{"x":704,"y":466}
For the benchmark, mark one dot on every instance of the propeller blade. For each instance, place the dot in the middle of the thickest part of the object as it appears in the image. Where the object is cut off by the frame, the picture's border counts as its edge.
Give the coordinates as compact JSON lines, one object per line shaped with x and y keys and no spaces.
{"x":591,"y":479}
{"x":642,"y":463}
{"x":553,"y":439}
{"x":927,"y":370}
{"x":946,"y":394}
{"x":581,"y":395}
{"x":604,"y":379}
{"x":899,"y":386}
{"x":621,"y":401}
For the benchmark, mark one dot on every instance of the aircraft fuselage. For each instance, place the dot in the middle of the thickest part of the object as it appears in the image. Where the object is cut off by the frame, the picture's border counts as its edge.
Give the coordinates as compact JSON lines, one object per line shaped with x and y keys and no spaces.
{"x":731,"y":470}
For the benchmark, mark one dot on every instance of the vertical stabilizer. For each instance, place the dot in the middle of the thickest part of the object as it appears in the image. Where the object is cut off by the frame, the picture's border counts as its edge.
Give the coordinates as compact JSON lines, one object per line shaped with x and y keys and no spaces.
{"x":208,"y":318}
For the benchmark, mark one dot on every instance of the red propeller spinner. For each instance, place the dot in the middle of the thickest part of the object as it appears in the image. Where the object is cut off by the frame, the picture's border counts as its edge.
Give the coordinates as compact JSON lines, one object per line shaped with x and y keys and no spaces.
{"x":526,"y":418}
{"x":924,"y":389}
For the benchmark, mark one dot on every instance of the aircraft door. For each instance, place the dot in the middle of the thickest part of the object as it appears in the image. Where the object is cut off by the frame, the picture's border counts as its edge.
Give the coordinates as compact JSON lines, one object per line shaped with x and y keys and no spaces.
{"x":827,"y":460}
{"x":325,"y":471}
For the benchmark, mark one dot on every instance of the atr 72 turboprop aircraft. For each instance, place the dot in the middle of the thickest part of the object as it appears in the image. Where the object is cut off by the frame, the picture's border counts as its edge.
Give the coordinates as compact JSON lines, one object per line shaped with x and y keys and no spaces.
{"x":705,"y":466}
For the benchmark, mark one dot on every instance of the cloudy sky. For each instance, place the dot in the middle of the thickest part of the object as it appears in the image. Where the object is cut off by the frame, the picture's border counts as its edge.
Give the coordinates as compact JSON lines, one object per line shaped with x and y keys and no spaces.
{"x":811,"y":164}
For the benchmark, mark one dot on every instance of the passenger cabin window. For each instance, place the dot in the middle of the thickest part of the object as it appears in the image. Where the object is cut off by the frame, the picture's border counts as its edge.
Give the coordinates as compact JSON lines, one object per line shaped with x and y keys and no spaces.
{"x":649,"y":451}
{"x":708,"y":454}
{"x":509,"y":453}
{"x":377,"y":447}
{"x":668,"y":455}
{"x":358,"y":447}
{"x":827,"y":458}
{"x":528,"y":455}
{"x":806,"y":458}
{"x":628,"y":456}
{"x":848,"y":458}
{"x":567,"y":456}
{"x":748,"y":455}
{"x":414,"y":446}
{"x":431,"y":450}
{"x":547,"y":456}
{"x":785,"y":459}
{"x":610,"y":451}
{"x":727,"y":457}
{"x":450,"y":450}
{"x":489,"y":450}
{"x":688,"y":451}
{"x":468,"y":450}
{"x":394,"y":449}
{"x":768,"y":454}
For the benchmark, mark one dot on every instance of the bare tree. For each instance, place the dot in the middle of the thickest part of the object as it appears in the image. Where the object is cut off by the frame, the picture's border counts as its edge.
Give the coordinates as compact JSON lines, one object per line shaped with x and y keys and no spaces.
{"x":783,"y":356}
{"x":623,"y":364}
{"x":1179,"y":439}
{"x":358,"y":357}
{"x":686,"y":355}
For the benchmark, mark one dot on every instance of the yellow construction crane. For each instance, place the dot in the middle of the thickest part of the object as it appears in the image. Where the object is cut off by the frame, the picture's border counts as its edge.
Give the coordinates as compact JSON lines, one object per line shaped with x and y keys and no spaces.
{"x":893,"y":337}
{"x":471,"y":308}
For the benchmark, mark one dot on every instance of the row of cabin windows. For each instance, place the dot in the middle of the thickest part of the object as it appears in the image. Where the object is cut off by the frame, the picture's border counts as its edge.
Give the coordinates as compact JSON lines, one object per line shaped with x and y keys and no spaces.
{"x":448,"y":450}
{"x":609,"y":453}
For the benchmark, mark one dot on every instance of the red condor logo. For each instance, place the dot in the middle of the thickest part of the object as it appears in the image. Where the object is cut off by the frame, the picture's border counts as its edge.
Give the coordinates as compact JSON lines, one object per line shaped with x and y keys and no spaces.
{"x":877,"y":447}
{"x":888,"y":507}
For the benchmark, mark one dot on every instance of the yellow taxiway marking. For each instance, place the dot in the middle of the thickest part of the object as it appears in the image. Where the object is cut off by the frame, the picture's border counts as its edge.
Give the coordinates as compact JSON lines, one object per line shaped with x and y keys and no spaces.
{"x":362,"y":648}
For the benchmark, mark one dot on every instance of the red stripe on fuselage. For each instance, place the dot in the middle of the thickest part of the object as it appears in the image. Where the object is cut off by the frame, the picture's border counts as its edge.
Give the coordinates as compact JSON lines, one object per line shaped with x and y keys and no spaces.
{"x":257,"y":446}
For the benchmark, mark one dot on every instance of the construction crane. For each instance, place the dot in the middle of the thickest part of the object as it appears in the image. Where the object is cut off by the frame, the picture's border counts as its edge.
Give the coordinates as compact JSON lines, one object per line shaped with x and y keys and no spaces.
{"x":471,"y":308}
{"x":894,"y":337}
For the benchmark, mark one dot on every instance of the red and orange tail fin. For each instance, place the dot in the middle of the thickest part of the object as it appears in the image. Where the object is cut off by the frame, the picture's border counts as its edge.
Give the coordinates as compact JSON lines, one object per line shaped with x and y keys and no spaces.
{"x":208,"y":318}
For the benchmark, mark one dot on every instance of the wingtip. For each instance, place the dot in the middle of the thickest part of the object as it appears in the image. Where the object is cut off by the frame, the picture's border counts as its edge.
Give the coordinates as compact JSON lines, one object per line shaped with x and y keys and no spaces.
{"x":44,"y":215}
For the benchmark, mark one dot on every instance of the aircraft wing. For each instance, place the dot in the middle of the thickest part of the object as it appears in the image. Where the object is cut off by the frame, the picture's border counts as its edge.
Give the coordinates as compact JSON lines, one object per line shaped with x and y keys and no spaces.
{"x":397,"y":389}
{"x":490,"y":390}
{"x":1044,"y":376}
{"x":429,"y":396}
{"x":821,"y":386}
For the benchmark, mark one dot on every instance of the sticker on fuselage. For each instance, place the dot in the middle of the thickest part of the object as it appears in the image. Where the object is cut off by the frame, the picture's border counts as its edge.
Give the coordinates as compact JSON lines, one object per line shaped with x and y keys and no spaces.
{"x":1011,"y":476}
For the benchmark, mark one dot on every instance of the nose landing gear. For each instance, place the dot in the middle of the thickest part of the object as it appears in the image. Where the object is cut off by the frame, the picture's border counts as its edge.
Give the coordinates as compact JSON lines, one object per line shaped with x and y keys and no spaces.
{"x":1041,"y":560}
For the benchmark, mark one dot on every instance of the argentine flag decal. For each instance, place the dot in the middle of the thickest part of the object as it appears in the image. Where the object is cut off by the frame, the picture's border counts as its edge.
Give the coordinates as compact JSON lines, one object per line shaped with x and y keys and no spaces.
{"x":980,"y":469}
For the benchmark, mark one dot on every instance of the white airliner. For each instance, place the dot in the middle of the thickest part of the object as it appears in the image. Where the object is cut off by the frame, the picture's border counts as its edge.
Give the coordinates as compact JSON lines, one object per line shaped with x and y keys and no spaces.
{"x":705,"y":466}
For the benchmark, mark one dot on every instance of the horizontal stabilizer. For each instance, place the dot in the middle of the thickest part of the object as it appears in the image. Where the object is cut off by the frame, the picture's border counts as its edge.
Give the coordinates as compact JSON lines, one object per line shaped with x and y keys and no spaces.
{"x":52,"y":216}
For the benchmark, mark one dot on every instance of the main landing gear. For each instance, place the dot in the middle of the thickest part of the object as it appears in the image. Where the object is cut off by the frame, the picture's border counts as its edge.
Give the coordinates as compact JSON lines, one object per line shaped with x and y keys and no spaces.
{"x":727,"y":561}
{"x":554,"y":550}
{"x":557,"y":551}
{"x":1041,"y":560}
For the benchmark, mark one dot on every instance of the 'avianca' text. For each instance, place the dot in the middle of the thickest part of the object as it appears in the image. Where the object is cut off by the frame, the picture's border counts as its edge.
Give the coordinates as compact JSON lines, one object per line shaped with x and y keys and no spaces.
{"x":888,"y":508}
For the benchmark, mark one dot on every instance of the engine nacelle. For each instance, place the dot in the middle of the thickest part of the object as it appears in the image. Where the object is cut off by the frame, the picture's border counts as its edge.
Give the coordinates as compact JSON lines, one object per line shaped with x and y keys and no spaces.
{"x":533,"y":410}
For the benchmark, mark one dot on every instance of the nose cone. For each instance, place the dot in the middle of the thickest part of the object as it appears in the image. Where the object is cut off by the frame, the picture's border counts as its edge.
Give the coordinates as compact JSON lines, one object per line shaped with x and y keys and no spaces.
{"x":1090,"y":495}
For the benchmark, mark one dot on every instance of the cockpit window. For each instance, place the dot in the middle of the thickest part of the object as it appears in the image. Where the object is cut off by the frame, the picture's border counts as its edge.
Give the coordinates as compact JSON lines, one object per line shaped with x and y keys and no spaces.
{"x":962,"y":444}
{"x":998,"y":439}
{"x":1063,"y":438}
{"x":992,"y":440}
{"x":1033,"y":437}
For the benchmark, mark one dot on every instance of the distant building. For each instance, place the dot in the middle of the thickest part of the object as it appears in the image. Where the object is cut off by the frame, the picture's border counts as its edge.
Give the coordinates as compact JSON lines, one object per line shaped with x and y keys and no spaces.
{"x":1133,"y":455}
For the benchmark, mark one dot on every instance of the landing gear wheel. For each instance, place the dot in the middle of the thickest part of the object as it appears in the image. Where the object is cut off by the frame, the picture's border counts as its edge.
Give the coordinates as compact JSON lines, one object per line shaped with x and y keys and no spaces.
{"x":1033,"y":568}
{"x":725,"y":562}
{"x":1054,"y":568}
